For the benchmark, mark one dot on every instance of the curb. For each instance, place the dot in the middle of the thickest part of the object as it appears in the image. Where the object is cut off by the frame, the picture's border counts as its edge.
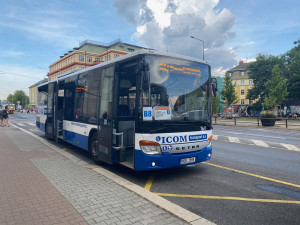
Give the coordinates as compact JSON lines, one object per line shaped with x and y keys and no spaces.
{"x":170,"y":207}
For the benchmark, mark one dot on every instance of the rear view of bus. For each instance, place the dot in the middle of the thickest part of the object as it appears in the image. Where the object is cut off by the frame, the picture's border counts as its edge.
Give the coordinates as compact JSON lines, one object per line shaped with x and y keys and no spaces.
{"x":174,"y":127}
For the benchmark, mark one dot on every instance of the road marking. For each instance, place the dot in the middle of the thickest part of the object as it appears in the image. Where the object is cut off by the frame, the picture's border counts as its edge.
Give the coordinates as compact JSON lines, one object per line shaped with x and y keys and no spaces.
{"x":290,"y":147}
{"x":149,"y":182}
{"x":253,"y":175}
{"x":260,"y":143}
{"x":229,"y":198}
{"x":21,"y":124}
{"x":32,"y":124}
{"x":233,"y":139}
{"x":34,"y":130}
{"x":255,"y":135}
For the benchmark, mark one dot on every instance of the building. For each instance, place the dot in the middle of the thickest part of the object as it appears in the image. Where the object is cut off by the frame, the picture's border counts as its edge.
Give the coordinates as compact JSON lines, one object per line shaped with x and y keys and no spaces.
{"x":33,"y":92}
{"x":89,"y":53}
{"x":240,"y":78}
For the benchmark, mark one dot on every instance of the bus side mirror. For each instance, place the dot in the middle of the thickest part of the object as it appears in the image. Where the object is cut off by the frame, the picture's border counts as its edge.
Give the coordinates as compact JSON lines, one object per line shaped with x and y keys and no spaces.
{"x":214,"y":89}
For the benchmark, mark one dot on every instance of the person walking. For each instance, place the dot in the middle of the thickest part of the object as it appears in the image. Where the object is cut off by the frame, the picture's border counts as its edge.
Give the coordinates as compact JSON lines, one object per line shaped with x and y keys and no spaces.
{"x":1,"y":117}
{"x":5,"y":117}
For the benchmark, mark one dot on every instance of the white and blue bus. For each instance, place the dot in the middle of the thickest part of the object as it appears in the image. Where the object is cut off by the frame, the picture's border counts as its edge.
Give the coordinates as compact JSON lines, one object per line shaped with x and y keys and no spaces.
{"x":146,"y":110}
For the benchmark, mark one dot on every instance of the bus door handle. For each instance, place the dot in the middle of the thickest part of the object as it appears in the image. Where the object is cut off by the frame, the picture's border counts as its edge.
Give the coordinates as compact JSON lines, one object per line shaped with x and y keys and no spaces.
{"x":121,"y":146}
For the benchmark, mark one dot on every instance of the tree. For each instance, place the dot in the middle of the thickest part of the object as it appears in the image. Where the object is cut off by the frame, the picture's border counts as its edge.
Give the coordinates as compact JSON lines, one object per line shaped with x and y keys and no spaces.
{"x":215,"y":104}
{"x":228,"y":93}
{"x":18,"y":95}
{"x":292,"y":70}
{"x":260,"y":72}
{"x":276,"y":88}
{"x":11,"y":98}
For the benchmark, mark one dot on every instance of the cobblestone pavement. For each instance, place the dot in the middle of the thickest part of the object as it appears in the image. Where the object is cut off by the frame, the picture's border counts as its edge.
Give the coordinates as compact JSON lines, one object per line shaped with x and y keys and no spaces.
{"x":40,"y":186}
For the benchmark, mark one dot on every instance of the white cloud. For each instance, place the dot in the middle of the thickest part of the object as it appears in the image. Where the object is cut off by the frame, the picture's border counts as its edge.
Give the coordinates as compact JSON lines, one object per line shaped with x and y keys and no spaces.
{"x":16,"y":77}
{"x":53,"y":25}
{"x":168,"y":25}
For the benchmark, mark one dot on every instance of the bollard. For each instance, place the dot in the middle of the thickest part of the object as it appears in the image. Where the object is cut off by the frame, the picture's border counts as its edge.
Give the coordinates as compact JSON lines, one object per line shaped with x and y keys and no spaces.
{"x":286,"y":126}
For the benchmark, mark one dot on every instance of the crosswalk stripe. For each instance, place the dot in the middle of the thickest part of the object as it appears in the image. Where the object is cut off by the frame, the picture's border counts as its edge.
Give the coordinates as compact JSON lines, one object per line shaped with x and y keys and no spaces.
{"x":21,"y":124}
{"x":234,"y":139}
{"x":290,"y":147}
{"x":260,"y":143}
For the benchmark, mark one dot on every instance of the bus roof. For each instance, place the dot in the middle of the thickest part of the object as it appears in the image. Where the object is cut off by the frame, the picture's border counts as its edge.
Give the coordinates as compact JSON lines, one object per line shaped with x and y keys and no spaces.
{"x":123,"y":58}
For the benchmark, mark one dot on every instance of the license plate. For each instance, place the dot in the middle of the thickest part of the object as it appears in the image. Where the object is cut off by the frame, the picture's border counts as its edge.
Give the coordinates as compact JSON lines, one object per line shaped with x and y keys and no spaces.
{"x":188,"y":160}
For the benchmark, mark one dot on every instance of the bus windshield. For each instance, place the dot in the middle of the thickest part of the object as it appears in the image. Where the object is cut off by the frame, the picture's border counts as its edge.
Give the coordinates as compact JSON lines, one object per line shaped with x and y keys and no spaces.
{"x":175,"y":93}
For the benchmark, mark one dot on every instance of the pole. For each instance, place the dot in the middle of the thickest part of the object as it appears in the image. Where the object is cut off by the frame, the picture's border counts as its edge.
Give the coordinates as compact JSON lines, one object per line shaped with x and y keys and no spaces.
{"x":202,"y":45}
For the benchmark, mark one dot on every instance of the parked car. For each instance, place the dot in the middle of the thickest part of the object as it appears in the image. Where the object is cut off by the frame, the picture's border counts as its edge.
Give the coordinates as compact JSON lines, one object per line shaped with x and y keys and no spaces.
{"x":235,"y":115}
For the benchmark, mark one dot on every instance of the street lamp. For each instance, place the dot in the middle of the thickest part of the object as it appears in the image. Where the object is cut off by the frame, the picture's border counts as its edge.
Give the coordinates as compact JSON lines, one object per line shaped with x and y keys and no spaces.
{"x":202,"y":43}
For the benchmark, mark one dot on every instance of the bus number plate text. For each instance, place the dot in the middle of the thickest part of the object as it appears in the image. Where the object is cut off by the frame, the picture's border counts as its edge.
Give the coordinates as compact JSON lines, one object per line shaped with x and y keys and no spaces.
{"x":187,"y":160}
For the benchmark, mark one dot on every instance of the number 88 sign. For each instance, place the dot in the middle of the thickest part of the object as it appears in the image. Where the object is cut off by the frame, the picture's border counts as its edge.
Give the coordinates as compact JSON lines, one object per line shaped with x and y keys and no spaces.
{"x":147,"y":113}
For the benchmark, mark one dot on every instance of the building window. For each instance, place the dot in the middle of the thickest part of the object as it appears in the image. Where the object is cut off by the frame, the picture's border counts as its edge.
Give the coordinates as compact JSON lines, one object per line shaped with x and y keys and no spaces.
{"x":97,"y":59}
{"x":130,"y":49}
{"x":81,"y":58}
{"x":116,"y":55}
{"x":89,"y":59}
{"x":109,"y":58}
{"x":250,"y":102}
{"x":250,"y":82}
{"x":242,"y":101}
{"x":242,"y":82}
{"x":242,"y":92}
{"x":242,"y":73}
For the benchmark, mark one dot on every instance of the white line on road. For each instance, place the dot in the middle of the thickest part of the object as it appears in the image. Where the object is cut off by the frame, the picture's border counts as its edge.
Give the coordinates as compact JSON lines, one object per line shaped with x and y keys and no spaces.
{"x":260,"y":143}
{"x":21,"y":124}
{"x":290,"y":147}
{"x":234,"y":139}
{"x":255,"y":135}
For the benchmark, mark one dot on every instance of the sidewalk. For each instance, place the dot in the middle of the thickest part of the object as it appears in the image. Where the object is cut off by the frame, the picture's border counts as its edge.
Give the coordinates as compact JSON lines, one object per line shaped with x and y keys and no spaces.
{"x":42,"y":184}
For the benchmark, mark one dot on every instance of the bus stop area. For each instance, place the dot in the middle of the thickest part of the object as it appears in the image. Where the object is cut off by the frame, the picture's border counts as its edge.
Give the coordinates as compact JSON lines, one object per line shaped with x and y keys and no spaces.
{"x":42,"y":184}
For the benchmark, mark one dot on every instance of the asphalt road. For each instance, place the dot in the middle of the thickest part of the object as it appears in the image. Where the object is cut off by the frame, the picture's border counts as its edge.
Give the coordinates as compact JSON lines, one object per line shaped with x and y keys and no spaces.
{"x":243,"y":183}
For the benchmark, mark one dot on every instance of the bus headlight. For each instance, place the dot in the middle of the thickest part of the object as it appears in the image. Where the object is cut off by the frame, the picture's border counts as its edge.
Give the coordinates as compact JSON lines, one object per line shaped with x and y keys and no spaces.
{"x":209,"y":141}
{"x":150,"y":147}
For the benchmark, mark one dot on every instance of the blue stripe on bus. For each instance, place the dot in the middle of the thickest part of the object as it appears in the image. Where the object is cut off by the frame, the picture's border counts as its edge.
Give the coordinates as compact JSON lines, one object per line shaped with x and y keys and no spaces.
{"x":41,"y":126}
{"x":167,"y":160}
{"x":78,"y":140}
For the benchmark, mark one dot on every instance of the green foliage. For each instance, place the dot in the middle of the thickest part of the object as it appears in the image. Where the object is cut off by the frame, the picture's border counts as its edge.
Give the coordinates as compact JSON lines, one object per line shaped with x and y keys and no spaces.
{"x":276,"y":88}
{"x":215,"y":105}
{"x":228,"y":93}
{"x":18,"y":95}
{"x":268,"y":114}
{"x":11,"y":98}
{"x":260,"y":72}
{"x":292,"y":65}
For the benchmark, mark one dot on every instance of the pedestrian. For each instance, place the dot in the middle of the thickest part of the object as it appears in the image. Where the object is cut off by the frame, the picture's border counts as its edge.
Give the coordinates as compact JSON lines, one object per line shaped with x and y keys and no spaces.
{"x":5,"y":117}
{"x":1,"y":116}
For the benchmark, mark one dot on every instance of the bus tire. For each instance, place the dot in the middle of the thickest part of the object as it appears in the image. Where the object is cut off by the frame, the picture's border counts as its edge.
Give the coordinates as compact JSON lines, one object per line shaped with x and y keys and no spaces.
{"x":93,"y":147}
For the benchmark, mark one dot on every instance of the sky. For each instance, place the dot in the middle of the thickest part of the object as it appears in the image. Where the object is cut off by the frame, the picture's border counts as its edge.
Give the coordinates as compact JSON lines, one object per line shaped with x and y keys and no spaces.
{"x":34,"y":33}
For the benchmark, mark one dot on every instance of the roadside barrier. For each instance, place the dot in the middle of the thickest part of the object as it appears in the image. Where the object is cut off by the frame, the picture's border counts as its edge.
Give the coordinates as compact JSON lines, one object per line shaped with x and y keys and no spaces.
{"x":288,"y":123}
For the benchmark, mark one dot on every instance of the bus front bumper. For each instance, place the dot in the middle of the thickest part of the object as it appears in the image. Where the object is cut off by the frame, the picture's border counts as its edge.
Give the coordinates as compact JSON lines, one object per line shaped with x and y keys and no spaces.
{"x":167,"y":160}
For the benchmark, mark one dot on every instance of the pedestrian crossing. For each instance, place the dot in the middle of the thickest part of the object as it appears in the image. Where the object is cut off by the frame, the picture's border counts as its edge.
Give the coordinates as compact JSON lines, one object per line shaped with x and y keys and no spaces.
{"x":258,"y":143}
